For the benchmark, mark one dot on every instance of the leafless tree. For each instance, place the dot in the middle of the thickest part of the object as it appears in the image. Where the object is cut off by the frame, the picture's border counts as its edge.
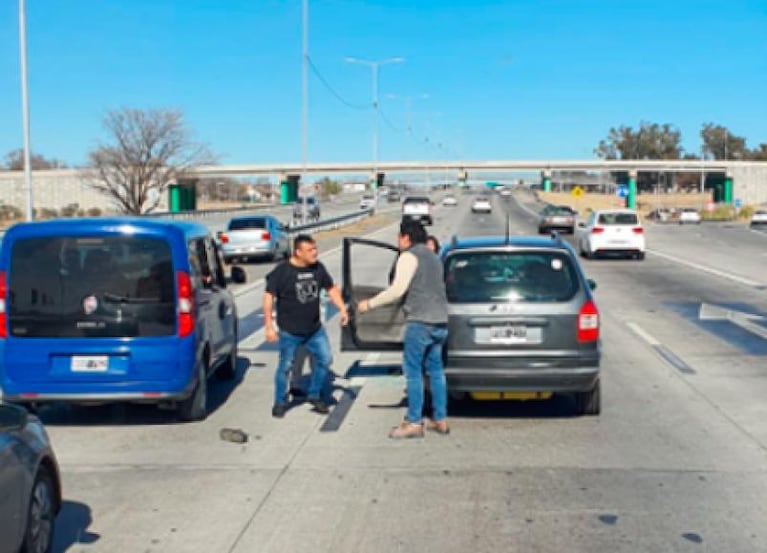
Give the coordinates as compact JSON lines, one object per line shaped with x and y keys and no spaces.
{"x":146,"y":151}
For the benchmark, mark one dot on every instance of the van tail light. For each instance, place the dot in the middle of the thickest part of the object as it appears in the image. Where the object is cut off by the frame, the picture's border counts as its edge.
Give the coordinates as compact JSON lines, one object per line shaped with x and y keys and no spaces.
{"x":3,"y":294}
{"x":637,"y":230}
{"x":588,"y":323}
{"x":265,"y":236}
{"x":223,"y":238}
{"x":185,"y":303}
{"x":597,"y":230}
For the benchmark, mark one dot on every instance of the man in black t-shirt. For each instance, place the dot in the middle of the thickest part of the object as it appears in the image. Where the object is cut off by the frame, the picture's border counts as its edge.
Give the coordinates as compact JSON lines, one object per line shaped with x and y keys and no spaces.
{"x":295,"y":285}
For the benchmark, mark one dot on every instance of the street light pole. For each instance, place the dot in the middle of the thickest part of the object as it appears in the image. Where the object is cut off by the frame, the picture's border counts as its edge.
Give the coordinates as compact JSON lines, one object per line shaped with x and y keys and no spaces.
{"x":374,"y":65}
{"x":304,"y":100}
{"x":25,"y":107}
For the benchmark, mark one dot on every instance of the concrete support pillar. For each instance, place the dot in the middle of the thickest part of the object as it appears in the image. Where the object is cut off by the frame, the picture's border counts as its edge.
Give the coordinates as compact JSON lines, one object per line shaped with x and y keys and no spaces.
{"x":631,"y":198}
{"x":727,"y":193}
{"x":546,"y":180}
{"x":289,"y":188}
{"x":463,"y":176}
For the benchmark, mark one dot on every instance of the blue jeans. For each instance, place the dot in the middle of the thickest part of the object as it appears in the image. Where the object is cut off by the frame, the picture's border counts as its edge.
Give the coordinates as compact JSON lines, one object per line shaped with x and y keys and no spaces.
{"x":423,"y":351}
{"x":318,"y":346}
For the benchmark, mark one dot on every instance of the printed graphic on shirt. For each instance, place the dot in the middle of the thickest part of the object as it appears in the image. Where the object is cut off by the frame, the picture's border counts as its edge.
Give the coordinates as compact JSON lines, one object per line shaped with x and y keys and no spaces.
{"x":307,"y":289}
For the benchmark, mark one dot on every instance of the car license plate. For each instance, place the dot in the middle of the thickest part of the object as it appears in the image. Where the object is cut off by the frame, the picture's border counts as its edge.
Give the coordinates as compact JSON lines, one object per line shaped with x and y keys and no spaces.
{"x":507,"y":334}
{"x":90,"y":364}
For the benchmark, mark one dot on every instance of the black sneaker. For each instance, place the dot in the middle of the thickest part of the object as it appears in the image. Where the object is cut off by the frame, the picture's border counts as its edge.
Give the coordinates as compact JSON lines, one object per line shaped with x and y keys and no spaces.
{"x":320,"y":406}
{"x":279,"y":410}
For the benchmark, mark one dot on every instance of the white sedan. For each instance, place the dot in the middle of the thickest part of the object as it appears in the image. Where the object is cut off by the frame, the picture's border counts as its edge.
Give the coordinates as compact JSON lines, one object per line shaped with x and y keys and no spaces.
{"x":481,"y":205}
{"x":450,"y":201}
{"x":759,"y":218}
{"x":689,"y":215}
{"x":612,"y":231}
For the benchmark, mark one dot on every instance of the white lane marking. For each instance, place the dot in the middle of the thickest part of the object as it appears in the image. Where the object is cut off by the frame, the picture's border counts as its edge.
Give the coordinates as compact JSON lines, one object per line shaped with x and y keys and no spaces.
{"x":643,"y":334}
{"x":746,"y":321}
{"x":711,"y":270}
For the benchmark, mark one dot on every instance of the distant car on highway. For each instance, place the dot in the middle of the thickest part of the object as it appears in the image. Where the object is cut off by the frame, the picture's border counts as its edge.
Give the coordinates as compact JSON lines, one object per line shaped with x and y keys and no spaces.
{"x":254,"y":236}
{"x":393,"y":196}
{"x":613,"y":232}
{"x":689,"y":215}
{"x":30,"y":485}
{"x":450,"y":200}
{"x":367,"y":201}
{"x":418,"y":208}
{"x":759,"y":218}
{"x":523,"y":323}
{"x":312,"y":209}
{"x":481,"y":204}
{"x":556,"y":217}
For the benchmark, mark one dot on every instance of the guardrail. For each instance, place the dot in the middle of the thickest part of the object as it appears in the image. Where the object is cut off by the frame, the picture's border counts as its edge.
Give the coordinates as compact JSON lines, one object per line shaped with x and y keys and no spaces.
{"x":202,"y":213}
{"x":332,"y":223}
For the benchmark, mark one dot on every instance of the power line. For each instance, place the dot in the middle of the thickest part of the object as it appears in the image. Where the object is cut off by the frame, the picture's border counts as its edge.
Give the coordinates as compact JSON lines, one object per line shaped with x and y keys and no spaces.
{"x":388,"y":122}
{"x":327,"y":85}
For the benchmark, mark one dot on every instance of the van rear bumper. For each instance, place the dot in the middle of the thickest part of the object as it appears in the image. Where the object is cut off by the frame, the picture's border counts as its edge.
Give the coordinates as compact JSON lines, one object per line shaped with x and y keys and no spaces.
{"x":144,"y":392}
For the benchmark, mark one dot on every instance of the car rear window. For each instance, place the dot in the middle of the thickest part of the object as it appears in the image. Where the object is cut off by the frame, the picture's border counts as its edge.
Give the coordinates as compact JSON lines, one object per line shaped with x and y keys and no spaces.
{"x":244,"y":224}
{"x":528,"y":276}
{"x":115,"y":286}
{"x":416,"y":200}
{"x":618,"y":219}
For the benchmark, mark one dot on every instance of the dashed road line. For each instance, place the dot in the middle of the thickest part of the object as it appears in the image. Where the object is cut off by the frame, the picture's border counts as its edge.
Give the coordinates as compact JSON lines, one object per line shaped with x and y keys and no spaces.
{"x":669,"y":356}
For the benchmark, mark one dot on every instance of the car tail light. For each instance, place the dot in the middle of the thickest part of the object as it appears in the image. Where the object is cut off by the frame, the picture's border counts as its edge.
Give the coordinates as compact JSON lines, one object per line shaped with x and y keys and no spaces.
{"x":3,"y":294}
{"x":597,"y":230}
{"x":265,"y":236}
{"x":185,"y":303}
{"x":588,"y":323}
{"x":223,"y":238}
{"x":637,"y":230}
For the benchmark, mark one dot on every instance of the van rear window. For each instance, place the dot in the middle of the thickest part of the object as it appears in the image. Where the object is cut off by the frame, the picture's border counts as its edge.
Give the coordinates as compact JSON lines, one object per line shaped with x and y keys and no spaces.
{"x":114,"y":286}
{"x":498,"y":277}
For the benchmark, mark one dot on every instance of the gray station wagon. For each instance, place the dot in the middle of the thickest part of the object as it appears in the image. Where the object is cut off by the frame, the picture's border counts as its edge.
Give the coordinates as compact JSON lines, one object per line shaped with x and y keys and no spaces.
{"x":522,"y":319}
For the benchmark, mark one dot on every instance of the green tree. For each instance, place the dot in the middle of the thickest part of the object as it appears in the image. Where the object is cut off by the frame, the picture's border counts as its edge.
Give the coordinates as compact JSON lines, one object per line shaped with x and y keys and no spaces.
{"x":720,"y":143}
{"x":329,"y":187}
{"x":649,"y":141}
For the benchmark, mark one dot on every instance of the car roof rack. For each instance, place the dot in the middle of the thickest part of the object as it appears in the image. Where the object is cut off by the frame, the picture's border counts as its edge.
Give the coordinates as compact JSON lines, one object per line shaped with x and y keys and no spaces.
{"x":454,"y":241}
{"x":508,"y":228}
{"x":556,"y":237}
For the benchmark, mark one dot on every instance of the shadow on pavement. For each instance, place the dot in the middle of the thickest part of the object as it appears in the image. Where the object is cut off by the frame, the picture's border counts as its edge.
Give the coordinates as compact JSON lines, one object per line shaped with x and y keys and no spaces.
{"x":72,"y":527}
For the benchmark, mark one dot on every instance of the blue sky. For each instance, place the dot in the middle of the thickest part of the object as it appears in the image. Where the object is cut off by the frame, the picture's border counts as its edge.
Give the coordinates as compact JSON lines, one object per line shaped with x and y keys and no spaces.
{"x":505,"y":79}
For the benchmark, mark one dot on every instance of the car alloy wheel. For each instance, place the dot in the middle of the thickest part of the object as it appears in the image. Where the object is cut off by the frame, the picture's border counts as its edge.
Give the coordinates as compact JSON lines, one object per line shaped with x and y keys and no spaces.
{"x":42,"y":512}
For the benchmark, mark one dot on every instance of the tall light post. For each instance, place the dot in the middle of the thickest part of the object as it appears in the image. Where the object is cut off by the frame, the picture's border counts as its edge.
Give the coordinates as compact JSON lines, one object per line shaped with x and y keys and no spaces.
{"x":374,"y":65}
{"x":304,"y":100}
{"x":25,"y":107}
{"x":408,"y":104}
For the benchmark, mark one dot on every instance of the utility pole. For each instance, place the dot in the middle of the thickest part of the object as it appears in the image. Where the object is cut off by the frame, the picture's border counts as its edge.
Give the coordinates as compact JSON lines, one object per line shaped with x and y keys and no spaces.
{"x":25,"y":106}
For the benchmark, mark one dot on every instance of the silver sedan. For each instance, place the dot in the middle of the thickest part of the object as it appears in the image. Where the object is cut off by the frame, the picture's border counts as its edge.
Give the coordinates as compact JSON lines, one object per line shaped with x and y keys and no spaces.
{"x":30,"y":486}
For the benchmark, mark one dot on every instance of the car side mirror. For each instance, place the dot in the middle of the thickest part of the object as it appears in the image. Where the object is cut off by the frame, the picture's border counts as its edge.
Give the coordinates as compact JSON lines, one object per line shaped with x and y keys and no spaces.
{"x":12,"y":417}
{"x":239,"y":276}
{"x":592,"y":284}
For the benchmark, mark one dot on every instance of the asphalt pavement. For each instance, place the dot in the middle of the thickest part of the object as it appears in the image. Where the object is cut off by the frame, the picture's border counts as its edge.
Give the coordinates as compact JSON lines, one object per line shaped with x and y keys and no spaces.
{"x":677,"y":461}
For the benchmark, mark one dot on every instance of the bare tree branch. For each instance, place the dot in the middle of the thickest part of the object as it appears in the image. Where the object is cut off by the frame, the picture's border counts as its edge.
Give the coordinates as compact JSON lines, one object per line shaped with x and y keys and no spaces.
{"x":146,"y":151}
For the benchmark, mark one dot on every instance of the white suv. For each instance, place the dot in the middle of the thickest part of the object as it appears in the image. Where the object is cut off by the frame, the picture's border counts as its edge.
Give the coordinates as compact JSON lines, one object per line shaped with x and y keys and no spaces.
{"x":612,"y":231}
{"x":418,"y":208}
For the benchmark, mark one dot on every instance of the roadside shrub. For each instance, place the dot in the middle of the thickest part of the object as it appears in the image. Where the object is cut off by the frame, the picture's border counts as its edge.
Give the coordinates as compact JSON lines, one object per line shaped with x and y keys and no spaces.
{"x":48,"y":213}
{"x":10,"y":212}
{"x":94,"y":212}
{"x":70,"y":210}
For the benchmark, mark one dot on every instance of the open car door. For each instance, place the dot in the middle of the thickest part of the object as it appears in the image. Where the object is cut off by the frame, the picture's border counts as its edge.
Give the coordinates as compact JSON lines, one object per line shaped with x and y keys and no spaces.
{"x":367,"y":268}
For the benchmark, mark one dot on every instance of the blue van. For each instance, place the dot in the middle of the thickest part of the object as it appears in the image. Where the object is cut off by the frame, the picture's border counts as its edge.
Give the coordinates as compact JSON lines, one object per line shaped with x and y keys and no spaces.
{"x":114,"y":309}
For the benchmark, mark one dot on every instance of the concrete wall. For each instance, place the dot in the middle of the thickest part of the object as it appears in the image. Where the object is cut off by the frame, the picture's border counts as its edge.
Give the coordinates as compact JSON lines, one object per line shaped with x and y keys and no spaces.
{"x":749,"y":185}
{"x":55,"y":189}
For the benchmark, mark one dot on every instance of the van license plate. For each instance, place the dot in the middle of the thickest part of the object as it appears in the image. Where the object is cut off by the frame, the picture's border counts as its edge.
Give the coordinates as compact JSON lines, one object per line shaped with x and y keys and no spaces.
{"x":90,"y":364}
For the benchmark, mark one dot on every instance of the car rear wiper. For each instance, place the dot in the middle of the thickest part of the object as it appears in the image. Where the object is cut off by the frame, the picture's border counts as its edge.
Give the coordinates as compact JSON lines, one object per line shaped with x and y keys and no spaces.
{"x":116,"y":298}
